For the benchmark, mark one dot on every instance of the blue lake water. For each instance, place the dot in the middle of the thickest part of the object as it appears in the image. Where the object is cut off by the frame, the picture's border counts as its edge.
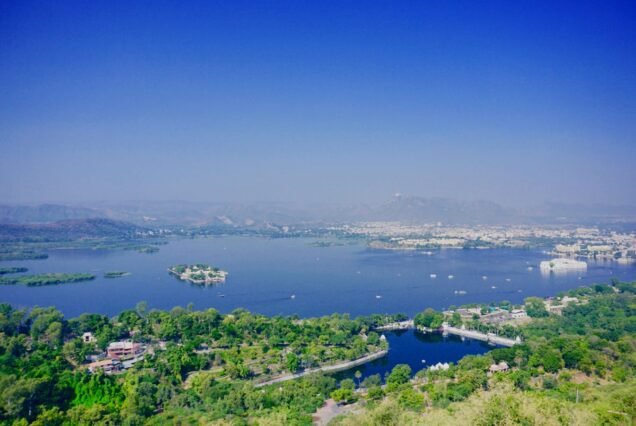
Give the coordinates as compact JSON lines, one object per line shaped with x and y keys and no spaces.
{"x":418,"y":351}
{"x":265,"y":273}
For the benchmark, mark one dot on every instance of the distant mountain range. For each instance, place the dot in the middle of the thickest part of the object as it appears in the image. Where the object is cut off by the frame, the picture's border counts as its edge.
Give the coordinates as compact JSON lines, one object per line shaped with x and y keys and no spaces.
{"x":45,"y":213}
{"x":402,"y":208}
{"x":445,"y":210}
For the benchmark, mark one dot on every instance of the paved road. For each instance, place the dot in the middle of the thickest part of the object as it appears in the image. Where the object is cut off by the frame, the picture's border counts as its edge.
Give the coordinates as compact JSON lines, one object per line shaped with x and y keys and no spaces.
{"x":326,"y":369}
{"x":480,"y":336}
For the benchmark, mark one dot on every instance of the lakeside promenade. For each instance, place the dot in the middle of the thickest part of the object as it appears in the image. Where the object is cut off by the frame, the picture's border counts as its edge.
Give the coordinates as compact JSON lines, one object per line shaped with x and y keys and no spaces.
{"x":447,"y":329}
{"x":403,"y":325}
{"x":326,"y":369}
{"x":472,"y":334}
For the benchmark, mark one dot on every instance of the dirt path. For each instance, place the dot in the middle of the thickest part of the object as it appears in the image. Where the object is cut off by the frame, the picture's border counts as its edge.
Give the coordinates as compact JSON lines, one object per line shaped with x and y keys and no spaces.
{"x":331,"y":409}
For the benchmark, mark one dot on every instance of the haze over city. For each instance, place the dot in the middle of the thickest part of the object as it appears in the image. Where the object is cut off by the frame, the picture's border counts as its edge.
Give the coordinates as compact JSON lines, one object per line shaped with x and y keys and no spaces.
{"x":325,"y":102}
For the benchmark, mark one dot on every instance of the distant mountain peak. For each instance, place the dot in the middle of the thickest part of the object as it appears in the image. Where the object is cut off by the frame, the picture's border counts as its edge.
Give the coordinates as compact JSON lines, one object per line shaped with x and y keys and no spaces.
{"x":409,"y":208}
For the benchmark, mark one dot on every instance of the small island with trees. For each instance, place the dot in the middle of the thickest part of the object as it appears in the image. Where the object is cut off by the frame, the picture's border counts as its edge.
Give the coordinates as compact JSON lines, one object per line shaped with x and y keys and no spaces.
{"x":12,"y":270}
{"x":115,"y":274}
{"x":198,"y":273}
{"x":39,"y":280}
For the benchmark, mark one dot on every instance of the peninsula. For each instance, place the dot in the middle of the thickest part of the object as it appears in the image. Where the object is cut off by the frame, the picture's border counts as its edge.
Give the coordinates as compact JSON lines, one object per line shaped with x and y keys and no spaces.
{"x":12,"y":270}
{"x":198,"y":273}
{"x":39,"y":280}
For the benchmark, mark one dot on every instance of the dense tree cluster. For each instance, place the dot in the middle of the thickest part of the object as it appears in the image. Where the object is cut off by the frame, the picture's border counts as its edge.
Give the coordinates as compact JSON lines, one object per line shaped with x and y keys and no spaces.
{"x":201,"y":365}
{"x":575,"y":368}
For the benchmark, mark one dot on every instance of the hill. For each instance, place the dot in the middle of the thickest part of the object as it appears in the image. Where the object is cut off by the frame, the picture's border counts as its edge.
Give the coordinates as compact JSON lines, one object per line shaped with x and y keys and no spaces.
{"x":45,"y":213}
{"x":445,"y":210}
{"x":68,"y":230}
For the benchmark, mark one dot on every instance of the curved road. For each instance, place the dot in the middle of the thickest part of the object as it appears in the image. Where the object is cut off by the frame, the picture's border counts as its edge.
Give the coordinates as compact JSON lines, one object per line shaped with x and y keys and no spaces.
{"x":326,"y":369}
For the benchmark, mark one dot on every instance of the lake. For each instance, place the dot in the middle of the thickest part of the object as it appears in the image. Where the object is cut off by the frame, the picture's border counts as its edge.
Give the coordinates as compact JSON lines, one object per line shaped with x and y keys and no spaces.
{"x":264,"y":274}
{"x":412,"y":347}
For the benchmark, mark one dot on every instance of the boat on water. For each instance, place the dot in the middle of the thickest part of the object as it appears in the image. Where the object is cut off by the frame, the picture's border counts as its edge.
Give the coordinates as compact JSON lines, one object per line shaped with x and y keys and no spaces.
{"x":450,"y":277}
{"x":293,"y":296}
{"x":508,"y":280}
{"x":484,"y":277}
{"x":377,"y":296}
{"x":530,"y":268}
{"x":433,"y":275}
{"x":460,"y":292}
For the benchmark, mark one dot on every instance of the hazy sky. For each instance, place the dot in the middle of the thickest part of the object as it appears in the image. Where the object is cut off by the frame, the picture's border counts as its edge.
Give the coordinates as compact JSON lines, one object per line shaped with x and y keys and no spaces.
{"x":513,"y":101}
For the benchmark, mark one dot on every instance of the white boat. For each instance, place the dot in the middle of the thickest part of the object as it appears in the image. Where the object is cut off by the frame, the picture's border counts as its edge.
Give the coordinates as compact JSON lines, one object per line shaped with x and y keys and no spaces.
{"x":493,"y":287}
{"x":484,"y":277}
{"x":433,"y":275}
{"x":450,"y":277}
{"x":508,"y":280}
{"x":530,"y":268}
{"x":293,"y":296}
{"x":377,"y":296}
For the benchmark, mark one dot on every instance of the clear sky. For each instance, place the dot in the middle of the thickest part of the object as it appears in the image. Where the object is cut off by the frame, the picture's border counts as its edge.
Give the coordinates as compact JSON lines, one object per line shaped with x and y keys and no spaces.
{"x":514,"y":101}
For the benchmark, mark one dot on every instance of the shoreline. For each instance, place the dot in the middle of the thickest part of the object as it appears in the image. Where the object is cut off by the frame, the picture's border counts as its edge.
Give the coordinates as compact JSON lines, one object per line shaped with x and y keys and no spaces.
{"x":326,"y":369}
{"x":446,"y":329}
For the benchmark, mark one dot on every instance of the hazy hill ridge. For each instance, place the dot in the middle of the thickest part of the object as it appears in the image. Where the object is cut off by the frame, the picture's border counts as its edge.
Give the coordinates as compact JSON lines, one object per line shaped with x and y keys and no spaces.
{"x":70,"y":230}
{"x":45,"y":213}
{"x":400,"y":208}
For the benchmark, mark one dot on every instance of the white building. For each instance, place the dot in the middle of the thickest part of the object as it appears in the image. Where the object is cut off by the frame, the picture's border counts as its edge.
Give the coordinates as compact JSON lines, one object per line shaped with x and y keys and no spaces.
{"x":518,"y":314}
{"x":562,"y":265}
{"x":88,"y":337}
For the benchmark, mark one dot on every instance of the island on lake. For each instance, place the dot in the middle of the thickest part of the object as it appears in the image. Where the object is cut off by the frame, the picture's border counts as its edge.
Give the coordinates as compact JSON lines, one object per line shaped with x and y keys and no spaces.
{"x":199,"y":273}
{"x":116,"y":274}
{"x":147,"y":249}
{"x":21,"y":254}
{"x":12,"y":270}
{"x":46,"y":279}
{"x":562,"y":265}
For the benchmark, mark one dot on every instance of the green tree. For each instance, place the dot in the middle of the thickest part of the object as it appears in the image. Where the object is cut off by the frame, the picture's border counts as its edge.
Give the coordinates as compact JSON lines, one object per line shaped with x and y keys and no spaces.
{"x":292,"y":362}
{"x":400,"y":375}
{"x":535,"y":307}
{"x":358,"y":375}
{"x":429,"y":319}
{"x":411,"y":399}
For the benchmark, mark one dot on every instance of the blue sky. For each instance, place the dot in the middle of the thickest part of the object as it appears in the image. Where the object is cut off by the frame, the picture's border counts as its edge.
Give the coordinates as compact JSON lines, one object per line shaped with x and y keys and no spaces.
{"x":333,"y":102}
